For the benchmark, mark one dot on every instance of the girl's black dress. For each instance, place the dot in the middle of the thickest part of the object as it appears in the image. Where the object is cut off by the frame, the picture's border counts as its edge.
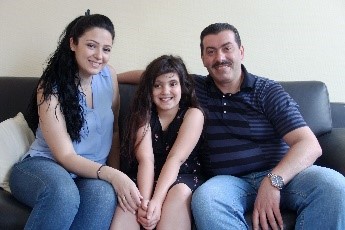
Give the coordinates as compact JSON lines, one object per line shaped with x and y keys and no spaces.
{"x":162,"y":141}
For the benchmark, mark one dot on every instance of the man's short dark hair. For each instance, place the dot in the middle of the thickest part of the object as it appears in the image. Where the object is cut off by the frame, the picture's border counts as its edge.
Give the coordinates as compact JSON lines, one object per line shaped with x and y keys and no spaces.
{"x":217,"y":28}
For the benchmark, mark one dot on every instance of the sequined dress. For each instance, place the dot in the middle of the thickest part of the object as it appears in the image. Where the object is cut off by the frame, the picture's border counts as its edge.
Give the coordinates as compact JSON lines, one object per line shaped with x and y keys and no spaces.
{"x":190,"y":171}
{"x":162,"y":141}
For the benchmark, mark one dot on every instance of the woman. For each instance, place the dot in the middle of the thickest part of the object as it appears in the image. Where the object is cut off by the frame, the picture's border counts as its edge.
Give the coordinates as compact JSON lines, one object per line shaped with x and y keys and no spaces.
{"x":163,"y":134}
{"x":63,"y":177}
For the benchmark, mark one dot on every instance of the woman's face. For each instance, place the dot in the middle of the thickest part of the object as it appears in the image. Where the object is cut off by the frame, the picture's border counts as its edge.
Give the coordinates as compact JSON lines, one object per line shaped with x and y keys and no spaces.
{"x":92,"y":51}
{"x":167,"y":92}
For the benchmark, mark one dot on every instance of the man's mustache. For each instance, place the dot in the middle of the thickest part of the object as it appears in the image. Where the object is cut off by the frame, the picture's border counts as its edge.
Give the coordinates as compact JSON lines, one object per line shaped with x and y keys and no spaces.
{"x":221,"y":63}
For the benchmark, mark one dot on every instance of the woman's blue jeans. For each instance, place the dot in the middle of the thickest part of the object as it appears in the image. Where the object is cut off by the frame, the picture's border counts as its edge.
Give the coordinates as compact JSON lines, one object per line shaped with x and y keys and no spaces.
{"x":317,"y":194}
{"x":58,"y":200}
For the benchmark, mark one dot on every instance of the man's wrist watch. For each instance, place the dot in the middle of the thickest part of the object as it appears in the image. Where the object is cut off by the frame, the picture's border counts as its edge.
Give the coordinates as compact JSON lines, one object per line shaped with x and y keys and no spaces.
{"x":276,"y":180}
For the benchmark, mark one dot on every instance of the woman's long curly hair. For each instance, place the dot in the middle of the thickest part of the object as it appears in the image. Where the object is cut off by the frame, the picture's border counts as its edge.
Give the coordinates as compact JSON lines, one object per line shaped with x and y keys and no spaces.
{"x":60,"y":77}
{"x":142,"y":104}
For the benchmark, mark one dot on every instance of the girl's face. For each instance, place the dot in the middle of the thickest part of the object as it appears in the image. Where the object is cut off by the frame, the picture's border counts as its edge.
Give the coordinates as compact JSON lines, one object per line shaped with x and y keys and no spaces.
{"x":92,"y":51}
{"x":167,"y":92}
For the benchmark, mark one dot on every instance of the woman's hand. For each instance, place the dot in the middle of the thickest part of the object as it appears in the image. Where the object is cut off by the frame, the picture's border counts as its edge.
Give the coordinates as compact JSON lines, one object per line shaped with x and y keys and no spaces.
{"x":128,"y":194}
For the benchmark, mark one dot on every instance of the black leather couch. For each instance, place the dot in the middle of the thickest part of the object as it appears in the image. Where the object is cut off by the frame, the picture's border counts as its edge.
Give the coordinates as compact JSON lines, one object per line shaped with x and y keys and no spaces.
{"x":327,"y":120}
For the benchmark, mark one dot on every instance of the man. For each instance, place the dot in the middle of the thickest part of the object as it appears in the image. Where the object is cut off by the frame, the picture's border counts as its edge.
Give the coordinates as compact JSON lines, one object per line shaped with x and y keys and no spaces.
{"x":260,"y":150}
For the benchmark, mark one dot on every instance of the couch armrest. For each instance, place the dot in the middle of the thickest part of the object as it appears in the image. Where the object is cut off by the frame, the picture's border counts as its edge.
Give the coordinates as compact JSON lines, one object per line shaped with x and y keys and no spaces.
{"x":333,"y":148}
{"x":338,"y":114}
{"x":13,"y":214}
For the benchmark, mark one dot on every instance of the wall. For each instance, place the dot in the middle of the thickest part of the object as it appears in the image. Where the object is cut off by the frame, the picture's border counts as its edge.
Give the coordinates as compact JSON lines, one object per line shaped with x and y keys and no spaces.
{"x":283,"y":40}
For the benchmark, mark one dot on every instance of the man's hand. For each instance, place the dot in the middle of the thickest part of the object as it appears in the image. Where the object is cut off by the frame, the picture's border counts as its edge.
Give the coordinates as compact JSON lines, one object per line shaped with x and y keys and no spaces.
{"x":266,"y":207}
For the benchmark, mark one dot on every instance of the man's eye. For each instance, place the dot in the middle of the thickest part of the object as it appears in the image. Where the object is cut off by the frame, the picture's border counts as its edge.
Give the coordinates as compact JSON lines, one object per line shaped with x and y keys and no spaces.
{"x":210,"y":52}
{"x":228,"y":48}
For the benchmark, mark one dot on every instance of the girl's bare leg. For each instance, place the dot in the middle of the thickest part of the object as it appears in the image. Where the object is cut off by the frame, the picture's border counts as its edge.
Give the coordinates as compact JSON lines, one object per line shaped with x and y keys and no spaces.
{"x":176,"y":212}
{"x":124,"y":220}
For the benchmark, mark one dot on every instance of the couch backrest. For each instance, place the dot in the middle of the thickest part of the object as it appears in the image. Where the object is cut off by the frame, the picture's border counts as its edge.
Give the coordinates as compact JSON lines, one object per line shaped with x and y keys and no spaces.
{"x":313,"y":99}
{"x":127,"y":92}
{"x":312,"y":96}
{"x":15,"y":94}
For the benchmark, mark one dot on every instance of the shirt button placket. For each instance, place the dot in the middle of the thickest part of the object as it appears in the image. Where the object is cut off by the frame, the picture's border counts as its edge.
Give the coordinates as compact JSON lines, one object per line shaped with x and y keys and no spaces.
{"x":224,"y":104}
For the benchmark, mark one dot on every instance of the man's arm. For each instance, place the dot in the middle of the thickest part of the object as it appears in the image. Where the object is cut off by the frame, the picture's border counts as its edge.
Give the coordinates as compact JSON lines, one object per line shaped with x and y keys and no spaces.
{"x":129,"y":77}
{"x":303,"y":152}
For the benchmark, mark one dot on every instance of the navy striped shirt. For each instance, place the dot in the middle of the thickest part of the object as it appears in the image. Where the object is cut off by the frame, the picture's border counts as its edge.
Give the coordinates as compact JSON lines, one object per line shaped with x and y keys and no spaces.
{"x":244,"y":130}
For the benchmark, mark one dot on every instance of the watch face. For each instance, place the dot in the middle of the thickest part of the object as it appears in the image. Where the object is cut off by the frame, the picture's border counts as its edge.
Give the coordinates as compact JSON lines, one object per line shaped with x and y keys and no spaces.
{"x":276,"y":181}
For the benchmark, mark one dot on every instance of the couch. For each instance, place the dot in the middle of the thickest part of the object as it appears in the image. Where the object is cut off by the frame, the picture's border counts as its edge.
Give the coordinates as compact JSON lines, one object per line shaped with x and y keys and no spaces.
{"x":326,"y":119}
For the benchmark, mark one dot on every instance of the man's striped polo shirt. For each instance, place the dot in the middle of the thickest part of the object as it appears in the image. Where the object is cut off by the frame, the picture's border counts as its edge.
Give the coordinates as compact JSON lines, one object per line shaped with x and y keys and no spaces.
{"x":244,"y":131}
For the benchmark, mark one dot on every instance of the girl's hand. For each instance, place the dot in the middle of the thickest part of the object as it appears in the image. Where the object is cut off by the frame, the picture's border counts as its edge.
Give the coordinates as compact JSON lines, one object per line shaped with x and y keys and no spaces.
{"x":141,"y":217}
{"x":142,"y":214}
{"x":154,"y":209}
{"x":145,"y":204}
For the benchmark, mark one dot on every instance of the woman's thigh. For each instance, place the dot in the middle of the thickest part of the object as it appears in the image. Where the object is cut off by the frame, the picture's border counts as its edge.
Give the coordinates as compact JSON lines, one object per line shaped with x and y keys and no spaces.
{"x":34,"y":176}
{"x":48,"y":188}
{"x":97,"y":204}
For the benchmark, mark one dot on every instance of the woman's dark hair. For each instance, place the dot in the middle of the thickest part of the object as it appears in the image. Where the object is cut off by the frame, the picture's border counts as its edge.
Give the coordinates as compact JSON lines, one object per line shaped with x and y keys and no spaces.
{"x":61,"y":74}
{"x":142,"y":104}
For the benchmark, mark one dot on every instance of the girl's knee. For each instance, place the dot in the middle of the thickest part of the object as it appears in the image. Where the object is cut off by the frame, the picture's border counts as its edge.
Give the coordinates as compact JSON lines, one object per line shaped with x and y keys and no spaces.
{"x":180,"y":190}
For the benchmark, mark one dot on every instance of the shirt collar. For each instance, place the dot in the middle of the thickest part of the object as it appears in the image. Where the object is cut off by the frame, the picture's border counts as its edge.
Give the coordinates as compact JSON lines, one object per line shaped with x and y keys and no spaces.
{"x":247,"y":83}
{"x":248,"y":79}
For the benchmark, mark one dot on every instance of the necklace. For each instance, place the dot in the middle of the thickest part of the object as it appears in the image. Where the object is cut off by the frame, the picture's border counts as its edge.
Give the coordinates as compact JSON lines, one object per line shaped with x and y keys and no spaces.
{"x":85,"y":87}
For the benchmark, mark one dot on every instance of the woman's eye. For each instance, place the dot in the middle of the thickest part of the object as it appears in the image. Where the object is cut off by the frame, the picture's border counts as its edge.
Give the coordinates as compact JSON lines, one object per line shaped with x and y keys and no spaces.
{"x":107,"y":50}
{"x":91,"y":45}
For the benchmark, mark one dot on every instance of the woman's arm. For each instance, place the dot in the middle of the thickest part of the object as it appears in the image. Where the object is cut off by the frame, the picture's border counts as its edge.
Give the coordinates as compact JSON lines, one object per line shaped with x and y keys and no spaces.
{"x":114,"y":155}
{"x":54,"y":130}
{"x":133,"y":199}
{"x":53,"y":125}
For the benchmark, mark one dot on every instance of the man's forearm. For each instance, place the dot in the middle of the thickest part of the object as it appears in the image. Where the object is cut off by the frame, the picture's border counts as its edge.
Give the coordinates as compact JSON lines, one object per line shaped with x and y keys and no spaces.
{"x":130,"y":77}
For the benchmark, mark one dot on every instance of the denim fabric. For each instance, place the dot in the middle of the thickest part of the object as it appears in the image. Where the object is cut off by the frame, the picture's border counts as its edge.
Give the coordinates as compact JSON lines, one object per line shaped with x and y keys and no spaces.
{"x":317,"y":194}
{"x":58,"y":200}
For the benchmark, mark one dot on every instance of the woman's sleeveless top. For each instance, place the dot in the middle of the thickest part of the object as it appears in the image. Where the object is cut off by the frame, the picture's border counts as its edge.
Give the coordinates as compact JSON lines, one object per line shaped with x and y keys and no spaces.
{"x":97,"y":130}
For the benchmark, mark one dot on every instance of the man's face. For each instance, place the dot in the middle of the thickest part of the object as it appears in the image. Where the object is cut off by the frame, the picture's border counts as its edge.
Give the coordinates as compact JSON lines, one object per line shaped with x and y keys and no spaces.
{"x":222,"y":57}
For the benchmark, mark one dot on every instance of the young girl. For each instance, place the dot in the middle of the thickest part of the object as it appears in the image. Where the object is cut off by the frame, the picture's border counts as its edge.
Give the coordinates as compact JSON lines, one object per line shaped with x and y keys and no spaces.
{"x":63,"y":177}
{"x":164,"y":134}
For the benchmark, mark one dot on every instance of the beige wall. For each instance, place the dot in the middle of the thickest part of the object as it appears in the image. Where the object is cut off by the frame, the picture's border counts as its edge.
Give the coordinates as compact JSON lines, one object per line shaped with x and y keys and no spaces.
{"x":283,"y":40}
